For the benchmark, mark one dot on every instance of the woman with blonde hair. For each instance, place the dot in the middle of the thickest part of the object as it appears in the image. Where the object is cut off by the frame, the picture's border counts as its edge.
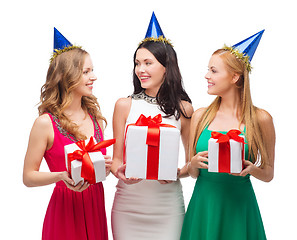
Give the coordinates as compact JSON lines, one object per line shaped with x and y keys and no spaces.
{"x":223,"y":206}
{"x":68,"y":112}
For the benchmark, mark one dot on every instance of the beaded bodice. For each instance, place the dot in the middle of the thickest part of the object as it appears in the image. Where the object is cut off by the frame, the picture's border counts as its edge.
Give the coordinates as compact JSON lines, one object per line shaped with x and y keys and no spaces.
{"x":144,"y":97}
{"x":55,"y":156}
{"x":68,"y":135}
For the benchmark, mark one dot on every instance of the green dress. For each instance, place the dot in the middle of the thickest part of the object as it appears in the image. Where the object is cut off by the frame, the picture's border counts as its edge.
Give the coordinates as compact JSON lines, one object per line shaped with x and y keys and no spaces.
{"x":223,"y":206}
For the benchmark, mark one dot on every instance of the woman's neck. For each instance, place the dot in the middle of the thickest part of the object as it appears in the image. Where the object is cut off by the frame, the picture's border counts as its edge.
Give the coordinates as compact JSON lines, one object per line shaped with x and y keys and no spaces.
{"x":231,"y":104}
{"x":75,"y":110}
{"x":151,"y":92}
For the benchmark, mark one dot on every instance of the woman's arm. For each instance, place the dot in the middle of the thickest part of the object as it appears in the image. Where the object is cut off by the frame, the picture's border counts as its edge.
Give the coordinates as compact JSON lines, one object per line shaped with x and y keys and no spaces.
{"x":41,"y":139}
{"x":185,"y":131}
{"x":107,"y":158}
{"x":266,"y":172}
{"x":120,"y":115}
{"x":198,"y":160}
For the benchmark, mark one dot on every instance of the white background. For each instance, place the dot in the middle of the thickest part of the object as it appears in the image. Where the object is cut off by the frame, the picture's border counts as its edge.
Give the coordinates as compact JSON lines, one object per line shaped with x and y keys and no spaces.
{"x":110,"y":31}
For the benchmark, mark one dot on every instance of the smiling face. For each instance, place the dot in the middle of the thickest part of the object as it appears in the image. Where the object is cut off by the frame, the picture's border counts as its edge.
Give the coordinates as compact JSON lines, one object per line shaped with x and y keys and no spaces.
{"x":149,"y":71}
{"x":87,"y":79}
{"x":220,"y":80}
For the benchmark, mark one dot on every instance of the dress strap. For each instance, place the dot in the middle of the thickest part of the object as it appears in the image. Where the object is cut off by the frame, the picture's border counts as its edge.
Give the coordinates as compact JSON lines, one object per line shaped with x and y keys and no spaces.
{"x":57,"y":125}
{"x":97,"y":130}
{"x":98,"y":135}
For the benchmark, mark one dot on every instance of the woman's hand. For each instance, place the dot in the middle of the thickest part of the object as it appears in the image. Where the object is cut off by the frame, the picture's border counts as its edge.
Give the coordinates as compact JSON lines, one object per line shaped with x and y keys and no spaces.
{"x":170,"y":181}
{"x":198,"y":161}
{"x":165,"y":181}
{"x":81,"y":186}
{"x":249,"y":168}
{"x":120,"y":174}
{"x":108,"y":163}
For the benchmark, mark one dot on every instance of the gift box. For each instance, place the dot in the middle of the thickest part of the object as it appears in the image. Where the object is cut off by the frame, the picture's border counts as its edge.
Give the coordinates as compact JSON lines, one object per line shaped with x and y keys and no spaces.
{"x":151,"y":149}
{"x":226,"y":152}
{"x":84,"y":161}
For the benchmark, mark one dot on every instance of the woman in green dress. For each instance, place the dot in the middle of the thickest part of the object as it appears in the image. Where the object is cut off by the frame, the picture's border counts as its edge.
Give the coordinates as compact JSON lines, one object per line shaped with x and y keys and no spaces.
{"x":223,"y":206}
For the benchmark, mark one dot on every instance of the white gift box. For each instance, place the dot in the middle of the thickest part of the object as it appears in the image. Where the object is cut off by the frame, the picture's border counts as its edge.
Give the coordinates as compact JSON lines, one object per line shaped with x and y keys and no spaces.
{"x":137,"y":150}
{"x":236,"y":156}
{"x":96,"y":157}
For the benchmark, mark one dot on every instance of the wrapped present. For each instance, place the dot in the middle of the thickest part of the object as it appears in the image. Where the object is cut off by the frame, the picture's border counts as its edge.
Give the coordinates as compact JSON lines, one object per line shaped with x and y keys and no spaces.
{"x":84,"y":161}
{"x":226,"y":152}
{"x":151,"y":149}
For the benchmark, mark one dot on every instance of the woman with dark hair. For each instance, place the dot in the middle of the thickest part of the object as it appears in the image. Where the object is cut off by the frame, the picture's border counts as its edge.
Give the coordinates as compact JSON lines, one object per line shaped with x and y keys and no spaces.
{"x":171,"y":92}
{"x":150,"y":209}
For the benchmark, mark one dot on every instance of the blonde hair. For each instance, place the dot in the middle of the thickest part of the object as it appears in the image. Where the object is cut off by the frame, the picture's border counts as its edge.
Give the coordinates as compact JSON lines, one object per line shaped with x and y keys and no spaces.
{"x":64,"y":75}
{"x":247,"y":116}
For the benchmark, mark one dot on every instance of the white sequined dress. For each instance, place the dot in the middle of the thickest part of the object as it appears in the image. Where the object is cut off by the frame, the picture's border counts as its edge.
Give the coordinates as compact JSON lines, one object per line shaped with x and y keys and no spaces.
{"x":148,"y":210}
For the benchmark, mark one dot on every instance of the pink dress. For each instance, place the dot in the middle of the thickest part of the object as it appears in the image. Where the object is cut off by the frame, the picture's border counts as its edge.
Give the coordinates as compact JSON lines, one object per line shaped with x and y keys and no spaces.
{"x":73,"y":215}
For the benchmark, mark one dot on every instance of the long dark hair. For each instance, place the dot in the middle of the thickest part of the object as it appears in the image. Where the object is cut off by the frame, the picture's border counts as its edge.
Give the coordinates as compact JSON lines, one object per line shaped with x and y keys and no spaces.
{"x":171,"y":92}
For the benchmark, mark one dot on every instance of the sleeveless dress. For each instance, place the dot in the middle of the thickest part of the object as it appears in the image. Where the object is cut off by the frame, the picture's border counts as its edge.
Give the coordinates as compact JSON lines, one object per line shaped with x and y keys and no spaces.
{"x":223,"y":206}
{"x":147,"y":210}
{"x":73,"y":215}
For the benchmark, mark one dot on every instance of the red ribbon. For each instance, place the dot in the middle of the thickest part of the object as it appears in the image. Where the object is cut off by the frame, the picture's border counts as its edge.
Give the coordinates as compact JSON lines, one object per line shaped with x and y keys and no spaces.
{"x":87,"y":168}
{"x":224,"y":148}
{"x":153,"y":142}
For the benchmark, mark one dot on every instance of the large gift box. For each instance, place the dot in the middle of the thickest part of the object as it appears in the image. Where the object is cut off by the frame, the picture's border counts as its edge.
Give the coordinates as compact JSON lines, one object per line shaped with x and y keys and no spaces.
{"x":226,"y":152}
{"x":84,"y":161}
{"x":151,"y":149}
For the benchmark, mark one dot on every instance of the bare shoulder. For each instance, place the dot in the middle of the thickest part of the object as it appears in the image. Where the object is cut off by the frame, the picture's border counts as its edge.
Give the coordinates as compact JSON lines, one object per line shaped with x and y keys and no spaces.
{"x":265,"y":121}
{"x":42,"y":130}
{"x":263,"y":116}
{"x":123,"y":103}
{"x":122,"y":108}
{"x":43,"y":122}
{"x":198,"y":114}
{"x":187,"y":108}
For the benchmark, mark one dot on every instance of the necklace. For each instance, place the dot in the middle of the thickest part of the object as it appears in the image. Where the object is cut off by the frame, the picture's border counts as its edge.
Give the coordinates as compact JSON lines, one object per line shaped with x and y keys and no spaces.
{"x":145,"y":97}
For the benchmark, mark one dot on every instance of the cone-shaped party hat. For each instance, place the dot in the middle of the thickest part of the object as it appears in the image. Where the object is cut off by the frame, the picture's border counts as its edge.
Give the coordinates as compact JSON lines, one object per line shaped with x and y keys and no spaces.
{"x":154,"y":32}
{"x":61,"y":44}
{"x":246,"y":49}
{"x":249,"y":45}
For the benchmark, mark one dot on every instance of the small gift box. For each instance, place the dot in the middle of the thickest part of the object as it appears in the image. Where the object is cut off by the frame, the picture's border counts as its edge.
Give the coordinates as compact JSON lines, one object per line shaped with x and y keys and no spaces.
{"x":84,"y":161}
{"x":151,"y":149}
{"x":226,"y":152}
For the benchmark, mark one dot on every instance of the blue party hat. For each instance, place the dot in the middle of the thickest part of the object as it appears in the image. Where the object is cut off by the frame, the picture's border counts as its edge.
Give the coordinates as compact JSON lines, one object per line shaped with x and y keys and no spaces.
{"x":246,"y":49}
{"x":154,"y":32}
{"x":61,"y":44}
{"x":249,"y":45}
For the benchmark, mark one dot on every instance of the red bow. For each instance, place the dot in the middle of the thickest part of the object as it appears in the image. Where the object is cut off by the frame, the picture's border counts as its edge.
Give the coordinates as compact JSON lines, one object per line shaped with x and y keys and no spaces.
{"x":153,"y":132}
{"x":153,"y":142}
{"x":232,"y":134}
{"x":224,"y":147}
{"x":87,"y":168}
